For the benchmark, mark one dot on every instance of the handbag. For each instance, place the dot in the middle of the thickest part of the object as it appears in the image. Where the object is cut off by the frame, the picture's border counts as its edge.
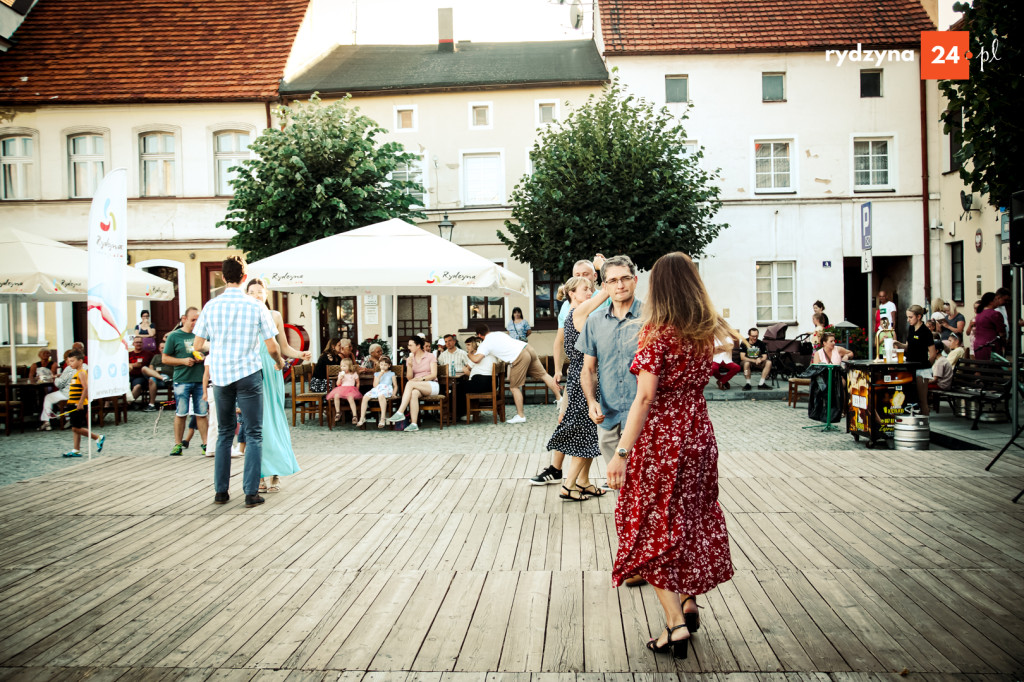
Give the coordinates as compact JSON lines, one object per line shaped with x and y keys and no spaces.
{"x":319,"y":385}
{"x":148,"y":343}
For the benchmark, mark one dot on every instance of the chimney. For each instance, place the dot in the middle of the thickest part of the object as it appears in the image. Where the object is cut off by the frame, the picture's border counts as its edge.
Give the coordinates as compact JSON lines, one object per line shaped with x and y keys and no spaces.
{"x":445,"y":40}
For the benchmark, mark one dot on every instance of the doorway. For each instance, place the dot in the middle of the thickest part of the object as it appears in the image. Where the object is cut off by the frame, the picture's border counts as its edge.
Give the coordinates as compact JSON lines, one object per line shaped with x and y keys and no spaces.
{"x":413,"y":318}
{"x":165,"y":315}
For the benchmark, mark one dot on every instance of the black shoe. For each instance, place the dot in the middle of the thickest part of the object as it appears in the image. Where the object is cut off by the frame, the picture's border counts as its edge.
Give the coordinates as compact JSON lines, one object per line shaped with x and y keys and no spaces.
{"x":764,"y":387}
{"x":549,"y":475}
{"x":221,"y":498}
{"x":692,"y":620}
{"x":747,"y":387}
{"x":253,"y":501}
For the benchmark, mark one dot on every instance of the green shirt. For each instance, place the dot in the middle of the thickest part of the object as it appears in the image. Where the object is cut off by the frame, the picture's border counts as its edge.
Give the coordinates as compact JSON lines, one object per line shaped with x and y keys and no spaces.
{"x":179,"y":345}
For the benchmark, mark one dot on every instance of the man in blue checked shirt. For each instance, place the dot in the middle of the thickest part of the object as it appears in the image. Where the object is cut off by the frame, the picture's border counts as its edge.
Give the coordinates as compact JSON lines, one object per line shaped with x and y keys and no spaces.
{"x":234,"y":324}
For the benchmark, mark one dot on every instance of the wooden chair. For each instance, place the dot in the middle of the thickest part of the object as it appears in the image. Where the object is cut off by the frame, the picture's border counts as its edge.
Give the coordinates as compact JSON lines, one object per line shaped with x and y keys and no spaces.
{"x":441,"y":402}
{"x":11,"y":410}
{"x":795,"y":394}
{"x":117,"y":404}
{"x":493,"y":402}
{"x":374,"y":405}
{"x":332,"y":376}
{"x":304,"y":401}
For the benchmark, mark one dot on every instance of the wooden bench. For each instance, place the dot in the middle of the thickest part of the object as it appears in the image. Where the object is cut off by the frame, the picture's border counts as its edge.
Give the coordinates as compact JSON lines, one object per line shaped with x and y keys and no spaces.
{"x":985,"y":384}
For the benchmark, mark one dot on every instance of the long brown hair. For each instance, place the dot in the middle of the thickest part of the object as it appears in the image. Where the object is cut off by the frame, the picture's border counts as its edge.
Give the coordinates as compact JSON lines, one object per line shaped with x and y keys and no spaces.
{"x":677,"y":299}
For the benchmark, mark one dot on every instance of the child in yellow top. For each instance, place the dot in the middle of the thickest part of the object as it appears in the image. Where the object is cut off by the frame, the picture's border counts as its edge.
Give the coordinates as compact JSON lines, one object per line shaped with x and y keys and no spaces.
{"x":78,"y":399}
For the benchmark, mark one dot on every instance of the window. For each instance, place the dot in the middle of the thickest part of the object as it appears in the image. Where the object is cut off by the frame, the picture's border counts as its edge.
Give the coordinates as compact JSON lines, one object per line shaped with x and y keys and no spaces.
{"x":406,"y":118}
{"x":545,"y":305}
{"x":412,"y":172}
{"x":776,"y":292}
{"x":772,"y":169}
{"x":677,"y":89}
{"x":690,"y":148}
{"x":956,"y":136}
{"x":871,"y":164}
{"x":956,"y":261}
{"x":773,"y":87}
{"x":156,"y":161}
{"x":345,"y":311}
{"x":17,"y":156}
{"x":547,"y":111}
{"x":870,"y":83}
{"x":480,"y":116}
{"x":29,"y":324}
{"x":87,"y":159}
{"x":230,"y":149}
{"x":213,"y":280}
{"x":483,"y":179}
{"x":487,"y":309}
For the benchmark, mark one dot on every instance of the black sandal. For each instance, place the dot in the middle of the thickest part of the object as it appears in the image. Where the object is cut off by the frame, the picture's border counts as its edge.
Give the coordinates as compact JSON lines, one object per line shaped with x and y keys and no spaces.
{"x":692,"y":619}
{"x":596,"y":492}
{"x":569,"y":495}
{"x":678,"y":647}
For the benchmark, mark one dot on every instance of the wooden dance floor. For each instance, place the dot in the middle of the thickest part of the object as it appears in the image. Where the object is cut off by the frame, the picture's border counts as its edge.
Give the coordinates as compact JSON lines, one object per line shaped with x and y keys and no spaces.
{"x":849,"y":566}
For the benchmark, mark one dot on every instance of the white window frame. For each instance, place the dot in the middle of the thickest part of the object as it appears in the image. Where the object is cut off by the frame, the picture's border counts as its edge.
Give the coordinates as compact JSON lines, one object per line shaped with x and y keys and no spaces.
{"x":137,"y":134}
{"x":490,"y":115}
{"x":890,"y":138}
{"x":537,"y":103}
{"x":24,"y":335}
{"x":794,"y":176}
{"x":33,"y":175}
{"x":678,"y":76}
{"x":211,"y":136}
{"x":775,"y":292}
{"x":785,"y":89}
{"x":424,"y":155}
{"x":415,"y":118}
{"x":500,"y":152}
{"x":68,"y":176}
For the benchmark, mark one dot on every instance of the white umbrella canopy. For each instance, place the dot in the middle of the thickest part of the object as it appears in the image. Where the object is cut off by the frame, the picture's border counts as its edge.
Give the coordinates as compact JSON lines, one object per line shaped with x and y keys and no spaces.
{"x":35,"y":268}
{"x":392,"y":257}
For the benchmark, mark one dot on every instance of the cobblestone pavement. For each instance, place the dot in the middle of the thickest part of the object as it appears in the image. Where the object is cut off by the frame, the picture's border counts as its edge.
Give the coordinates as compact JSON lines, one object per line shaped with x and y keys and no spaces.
{"x":739,"y":424}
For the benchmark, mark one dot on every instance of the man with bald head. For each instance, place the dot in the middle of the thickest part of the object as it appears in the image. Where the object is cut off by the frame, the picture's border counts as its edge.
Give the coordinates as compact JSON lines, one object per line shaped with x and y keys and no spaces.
{"x":885,"y":307}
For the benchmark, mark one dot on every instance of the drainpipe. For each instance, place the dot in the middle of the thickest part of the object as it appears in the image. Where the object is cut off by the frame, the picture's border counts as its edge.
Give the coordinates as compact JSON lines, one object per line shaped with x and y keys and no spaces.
{"x":926,"y":218}
{"x":270,"y":122}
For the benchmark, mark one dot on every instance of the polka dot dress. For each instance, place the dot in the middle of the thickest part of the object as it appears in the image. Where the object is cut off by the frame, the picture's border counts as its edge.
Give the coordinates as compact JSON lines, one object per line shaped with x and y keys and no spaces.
{"x":576,"y":436}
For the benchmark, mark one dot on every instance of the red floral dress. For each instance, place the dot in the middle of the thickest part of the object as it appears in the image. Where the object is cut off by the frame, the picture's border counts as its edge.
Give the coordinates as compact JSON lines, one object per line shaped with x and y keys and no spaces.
{"x":671,"y":529}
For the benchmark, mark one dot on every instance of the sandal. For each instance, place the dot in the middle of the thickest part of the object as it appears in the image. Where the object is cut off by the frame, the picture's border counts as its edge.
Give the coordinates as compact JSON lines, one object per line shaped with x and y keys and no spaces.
{"x":275,"y":485}
{"x":568,"y":496}
{"x":678,"y":647}
{"x":263,"y":486}
{"x":693,"y":618}
{"x":596,"y":492}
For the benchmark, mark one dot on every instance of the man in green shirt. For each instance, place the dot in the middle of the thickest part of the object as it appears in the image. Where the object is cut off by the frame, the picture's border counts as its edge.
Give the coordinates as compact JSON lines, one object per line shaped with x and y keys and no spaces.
{"x":188,"y":378}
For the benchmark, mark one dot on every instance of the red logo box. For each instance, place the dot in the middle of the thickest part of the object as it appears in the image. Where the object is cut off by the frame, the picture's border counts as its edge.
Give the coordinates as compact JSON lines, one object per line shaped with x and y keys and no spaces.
{"x":945,"y":55}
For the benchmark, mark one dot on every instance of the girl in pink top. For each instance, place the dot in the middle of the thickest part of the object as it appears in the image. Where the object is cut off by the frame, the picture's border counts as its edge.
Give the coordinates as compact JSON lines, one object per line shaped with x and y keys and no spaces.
{"x":348,"y":388}
{"x":421,"y":375}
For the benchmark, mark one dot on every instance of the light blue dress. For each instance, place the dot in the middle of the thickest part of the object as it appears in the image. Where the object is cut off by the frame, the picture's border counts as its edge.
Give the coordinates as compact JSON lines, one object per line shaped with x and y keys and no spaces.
{"x":278,"y":458}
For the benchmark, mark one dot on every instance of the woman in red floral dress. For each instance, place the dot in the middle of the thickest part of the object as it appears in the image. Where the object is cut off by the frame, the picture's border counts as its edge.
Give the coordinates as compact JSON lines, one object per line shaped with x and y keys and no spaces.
{"x":670,"y":527}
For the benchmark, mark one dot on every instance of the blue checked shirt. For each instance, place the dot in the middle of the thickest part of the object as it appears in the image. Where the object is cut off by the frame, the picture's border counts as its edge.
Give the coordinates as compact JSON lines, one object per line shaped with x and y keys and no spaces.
{"x":235,"y":325}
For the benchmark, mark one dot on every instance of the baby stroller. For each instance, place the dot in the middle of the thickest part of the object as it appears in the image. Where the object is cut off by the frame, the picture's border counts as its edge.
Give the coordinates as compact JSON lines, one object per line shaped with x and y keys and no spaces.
{"x":786,"y":354}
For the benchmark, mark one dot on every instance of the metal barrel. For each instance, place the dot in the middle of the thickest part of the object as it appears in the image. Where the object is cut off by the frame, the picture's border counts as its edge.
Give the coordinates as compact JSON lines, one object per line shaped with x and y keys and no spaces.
{"x":912,"y":433}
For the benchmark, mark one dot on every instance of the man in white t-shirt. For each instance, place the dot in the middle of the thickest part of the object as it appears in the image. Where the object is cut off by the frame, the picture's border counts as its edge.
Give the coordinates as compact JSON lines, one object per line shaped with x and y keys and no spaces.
{"x":885,"y":307}
{"x":522,"y":360}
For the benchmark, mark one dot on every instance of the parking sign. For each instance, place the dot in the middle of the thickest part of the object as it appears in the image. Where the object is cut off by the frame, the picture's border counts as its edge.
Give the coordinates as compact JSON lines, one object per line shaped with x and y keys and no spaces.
{"x":865,"y":226}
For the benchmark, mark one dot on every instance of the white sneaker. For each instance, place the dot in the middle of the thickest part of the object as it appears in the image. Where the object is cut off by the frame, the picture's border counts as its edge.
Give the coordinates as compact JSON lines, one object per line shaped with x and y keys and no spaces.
{"x":236,"y":452}
{"x":411,"y":427}
{"x":396,"y":417}
{"x":516,"y":420}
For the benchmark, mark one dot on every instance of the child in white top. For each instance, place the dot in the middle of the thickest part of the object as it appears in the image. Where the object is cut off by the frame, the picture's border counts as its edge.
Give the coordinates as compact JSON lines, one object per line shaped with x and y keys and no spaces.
{"x":385,"y":385}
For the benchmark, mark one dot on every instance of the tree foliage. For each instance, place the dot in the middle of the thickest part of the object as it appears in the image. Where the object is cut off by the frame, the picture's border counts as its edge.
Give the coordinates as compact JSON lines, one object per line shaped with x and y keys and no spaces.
{"x":322,"y":172}
{"x":615,"y":177}
{"x":991,"y":100}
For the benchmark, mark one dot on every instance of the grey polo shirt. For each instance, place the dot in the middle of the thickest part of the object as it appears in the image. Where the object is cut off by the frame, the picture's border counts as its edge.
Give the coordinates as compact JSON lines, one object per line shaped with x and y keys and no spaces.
{"x":614,"y":343}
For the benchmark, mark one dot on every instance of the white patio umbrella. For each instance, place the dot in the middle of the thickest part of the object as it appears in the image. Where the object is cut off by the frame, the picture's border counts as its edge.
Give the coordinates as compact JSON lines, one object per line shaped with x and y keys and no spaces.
{"x":392,"y":257}
{"x":35,"y":268}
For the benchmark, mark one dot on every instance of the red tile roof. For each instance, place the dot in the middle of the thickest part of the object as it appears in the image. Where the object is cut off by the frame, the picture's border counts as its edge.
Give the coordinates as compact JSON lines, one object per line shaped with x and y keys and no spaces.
{"x":707,"y":26}
{"x":150,"y":51}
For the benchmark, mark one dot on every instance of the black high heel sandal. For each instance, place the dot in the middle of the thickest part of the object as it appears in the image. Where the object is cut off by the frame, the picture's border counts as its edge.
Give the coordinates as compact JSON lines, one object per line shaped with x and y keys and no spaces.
{"x":678,"y":647}
{"x":692,"y":619}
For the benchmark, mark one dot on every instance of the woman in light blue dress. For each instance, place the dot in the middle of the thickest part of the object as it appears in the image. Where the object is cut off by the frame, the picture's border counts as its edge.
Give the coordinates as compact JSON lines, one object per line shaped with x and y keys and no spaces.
{"x":278,"y":457}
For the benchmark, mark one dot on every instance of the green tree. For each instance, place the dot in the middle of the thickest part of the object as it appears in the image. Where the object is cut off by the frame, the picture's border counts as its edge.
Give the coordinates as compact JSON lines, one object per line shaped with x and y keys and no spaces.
{"x":614,"y":176}
{"x":991,"y":100}
{"x":322,"y":172}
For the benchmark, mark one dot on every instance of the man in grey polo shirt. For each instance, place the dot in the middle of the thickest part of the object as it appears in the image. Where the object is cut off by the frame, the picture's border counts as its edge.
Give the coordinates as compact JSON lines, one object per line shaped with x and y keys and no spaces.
{"x":608,"y":343}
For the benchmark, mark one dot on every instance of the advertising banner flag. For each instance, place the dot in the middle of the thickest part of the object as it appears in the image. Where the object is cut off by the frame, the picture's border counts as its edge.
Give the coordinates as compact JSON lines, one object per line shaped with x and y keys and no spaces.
{"x":108,"y":295}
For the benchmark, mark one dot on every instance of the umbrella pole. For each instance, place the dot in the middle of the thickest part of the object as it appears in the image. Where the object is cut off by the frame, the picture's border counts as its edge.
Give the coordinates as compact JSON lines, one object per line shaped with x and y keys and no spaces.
{"x":10,"y":336}
{"x":394,"y":328}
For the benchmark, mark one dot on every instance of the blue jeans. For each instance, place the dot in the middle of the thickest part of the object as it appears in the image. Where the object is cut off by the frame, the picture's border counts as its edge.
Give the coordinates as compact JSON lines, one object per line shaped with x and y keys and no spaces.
{"x":248,"y":394}
{"x":189,"y":391}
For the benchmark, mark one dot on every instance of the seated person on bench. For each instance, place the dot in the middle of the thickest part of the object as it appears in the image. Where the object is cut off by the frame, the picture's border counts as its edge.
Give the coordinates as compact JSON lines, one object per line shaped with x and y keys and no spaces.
{"x":940,"y":376}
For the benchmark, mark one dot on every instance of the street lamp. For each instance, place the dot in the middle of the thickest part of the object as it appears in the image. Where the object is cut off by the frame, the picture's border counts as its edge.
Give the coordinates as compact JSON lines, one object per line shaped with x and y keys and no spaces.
{"x":445,"y":227}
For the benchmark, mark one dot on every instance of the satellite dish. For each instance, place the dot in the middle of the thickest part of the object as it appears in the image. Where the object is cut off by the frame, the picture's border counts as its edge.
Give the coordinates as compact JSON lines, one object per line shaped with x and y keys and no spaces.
{"x":576,"y":14}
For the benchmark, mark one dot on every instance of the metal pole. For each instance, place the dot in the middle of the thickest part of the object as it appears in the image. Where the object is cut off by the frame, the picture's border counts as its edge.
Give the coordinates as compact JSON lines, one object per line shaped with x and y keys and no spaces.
{"x":870,"y":329}
{"x":1012,"y":319}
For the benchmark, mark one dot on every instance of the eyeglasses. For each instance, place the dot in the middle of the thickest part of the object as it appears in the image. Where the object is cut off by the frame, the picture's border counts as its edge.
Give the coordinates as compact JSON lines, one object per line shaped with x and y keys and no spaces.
{"x":625,"y":279}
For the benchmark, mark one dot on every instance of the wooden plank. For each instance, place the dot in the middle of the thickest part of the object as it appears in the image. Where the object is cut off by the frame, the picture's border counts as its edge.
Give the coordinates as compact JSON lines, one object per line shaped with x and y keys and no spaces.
{"x":563,"y":641}
{"x":481,"y":650}
{"x":523,"y":649}
{"x":398,"y":651}
{"x":443,"y":641}
{"x":603,"y":644}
